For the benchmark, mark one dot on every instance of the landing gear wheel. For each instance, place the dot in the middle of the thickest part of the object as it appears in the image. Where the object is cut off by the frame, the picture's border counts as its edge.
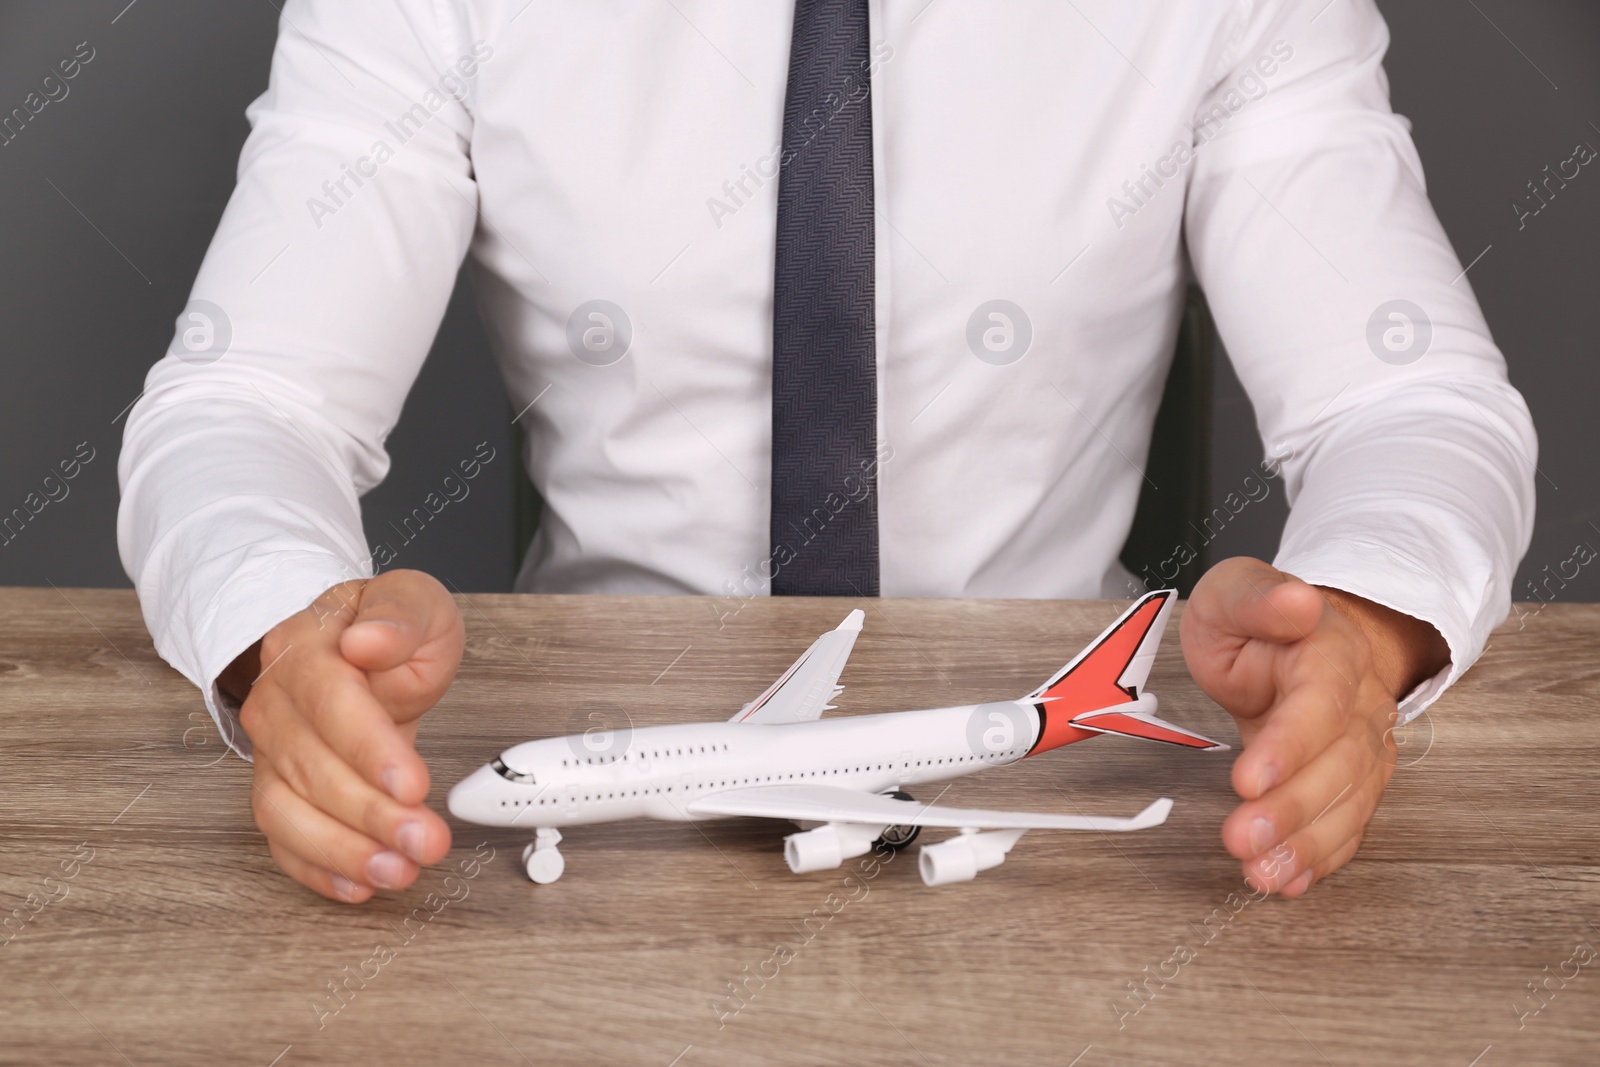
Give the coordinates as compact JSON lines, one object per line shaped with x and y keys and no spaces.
{"x":898,"y":837}
{"x":542,"y":859}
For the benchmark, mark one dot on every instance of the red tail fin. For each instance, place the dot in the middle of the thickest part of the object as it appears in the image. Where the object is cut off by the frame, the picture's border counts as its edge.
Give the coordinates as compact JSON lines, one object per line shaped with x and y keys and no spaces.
{"x":1098,"y":692}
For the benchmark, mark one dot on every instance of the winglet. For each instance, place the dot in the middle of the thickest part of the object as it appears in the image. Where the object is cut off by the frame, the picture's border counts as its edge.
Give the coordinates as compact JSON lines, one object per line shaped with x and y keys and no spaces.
{"x":1154,"y":815}
{"x":852,"y":621}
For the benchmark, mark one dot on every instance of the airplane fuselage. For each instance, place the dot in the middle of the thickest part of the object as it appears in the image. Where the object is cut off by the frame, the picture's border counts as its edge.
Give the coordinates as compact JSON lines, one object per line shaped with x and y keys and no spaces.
{"x":657,"y":771}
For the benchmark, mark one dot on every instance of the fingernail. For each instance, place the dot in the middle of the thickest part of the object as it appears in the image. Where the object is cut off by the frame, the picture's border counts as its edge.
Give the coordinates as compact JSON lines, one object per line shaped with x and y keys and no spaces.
{"x":1267,"y":779}
{"x":391,"y":781}
{"x":1299,"y":885}
{"x":391,"y":623}
{"x":344,"y":887}
{"x":1282,"y":876}
{"x":411,"y":838}
{"x":386,"y":869}
{"x":1262,"y":835}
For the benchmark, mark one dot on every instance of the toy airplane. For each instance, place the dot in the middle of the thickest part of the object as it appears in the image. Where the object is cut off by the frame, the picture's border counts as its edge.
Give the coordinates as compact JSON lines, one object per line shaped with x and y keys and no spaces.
{"x":843,"y":778}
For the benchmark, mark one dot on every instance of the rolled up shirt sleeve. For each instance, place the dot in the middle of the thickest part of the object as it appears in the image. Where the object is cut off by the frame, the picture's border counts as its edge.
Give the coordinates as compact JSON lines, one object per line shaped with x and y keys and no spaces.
{"x":244,"y":458}
{"x":1408,"y":458}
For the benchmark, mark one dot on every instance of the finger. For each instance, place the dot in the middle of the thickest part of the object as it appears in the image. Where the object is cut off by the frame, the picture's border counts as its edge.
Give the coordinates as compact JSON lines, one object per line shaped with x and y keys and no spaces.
{"x":316,"y":773}
{"x":1306,"y":879}
{"x":1298,"y":729}
{"x":331,"y":696}
{"x":1314,"y":845}
{"x":320,"y":840}
{"x":1258,"y":825}
{"x":318,"y":879}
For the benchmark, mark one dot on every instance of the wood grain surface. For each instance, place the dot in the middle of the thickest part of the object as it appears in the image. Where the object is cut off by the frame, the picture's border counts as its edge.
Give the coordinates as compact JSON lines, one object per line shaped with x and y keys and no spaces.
{"x":158,"y":930}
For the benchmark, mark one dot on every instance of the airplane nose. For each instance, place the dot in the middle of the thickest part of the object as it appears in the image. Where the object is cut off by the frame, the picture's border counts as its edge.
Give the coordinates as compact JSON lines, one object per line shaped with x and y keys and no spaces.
{"x":469,"y":798}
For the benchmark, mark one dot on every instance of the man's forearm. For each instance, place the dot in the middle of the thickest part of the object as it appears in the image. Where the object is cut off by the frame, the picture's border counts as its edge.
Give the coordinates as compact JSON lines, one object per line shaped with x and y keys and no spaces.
{"x":1405,"y":651}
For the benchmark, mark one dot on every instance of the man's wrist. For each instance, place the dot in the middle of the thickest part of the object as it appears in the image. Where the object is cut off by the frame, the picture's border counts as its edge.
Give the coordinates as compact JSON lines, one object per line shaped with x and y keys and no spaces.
{"x":1406,"y":651}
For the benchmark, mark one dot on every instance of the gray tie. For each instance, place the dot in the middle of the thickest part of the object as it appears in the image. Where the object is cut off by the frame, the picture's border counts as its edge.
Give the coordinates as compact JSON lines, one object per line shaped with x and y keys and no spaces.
{"x":824,"y":393}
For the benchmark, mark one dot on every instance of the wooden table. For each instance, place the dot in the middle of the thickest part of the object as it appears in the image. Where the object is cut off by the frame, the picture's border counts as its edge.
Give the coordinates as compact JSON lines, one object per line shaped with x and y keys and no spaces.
{"x":163,"y":934}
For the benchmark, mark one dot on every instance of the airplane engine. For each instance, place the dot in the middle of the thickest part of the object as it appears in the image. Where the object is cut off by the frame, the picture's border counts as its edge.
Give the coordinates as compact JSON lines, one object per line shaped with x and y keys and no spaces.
{"x":828,"y":845}
{"x":961,"y":858}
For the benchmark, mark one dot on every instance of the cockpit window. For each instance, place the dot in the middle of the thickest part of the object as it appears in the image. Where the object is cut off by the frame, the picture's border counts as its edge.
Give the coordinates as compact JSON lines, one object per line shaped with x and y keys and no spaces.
{"x":510,"y":775}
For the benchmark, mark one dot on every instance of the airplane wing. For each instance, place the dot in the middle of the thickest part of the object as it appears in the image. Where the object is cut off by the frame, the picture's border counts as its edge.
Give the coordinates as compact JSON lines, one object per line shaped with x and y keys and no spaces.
{"x":831,"y":803}
{"x":802,"y":692}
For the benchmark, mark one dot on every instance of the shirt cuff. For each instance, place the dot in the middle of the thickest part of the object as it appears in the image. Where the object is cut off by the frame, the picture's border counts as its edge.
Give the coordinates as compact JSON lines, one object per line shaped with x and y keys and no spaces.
{"x":253,"y":602}
{"x":1384,"y":577}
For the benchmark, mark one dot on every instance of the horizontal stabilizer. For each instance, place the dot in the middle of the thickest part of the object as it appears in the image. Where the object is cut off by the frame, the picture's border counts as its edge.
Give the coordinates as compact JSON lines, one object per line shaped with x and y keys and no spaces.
{"x":1133,"y":721}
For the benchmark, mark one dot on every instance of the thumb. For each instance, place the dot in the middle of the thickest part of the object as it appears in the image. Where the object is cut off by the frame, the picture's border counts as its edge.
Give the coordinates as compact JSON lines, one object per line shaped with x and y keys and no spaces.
{"x":1248,"y":599}
{"x":399,"y":618}
{"x":407,"y":635}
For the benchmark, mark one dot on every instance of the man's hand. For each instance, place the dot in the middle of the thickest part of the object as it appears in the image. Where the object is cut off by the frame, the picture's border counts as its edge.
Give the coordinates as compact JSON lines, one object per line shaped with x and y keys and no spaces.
{"x":1312,"y":676}
{"x":333,"y":720}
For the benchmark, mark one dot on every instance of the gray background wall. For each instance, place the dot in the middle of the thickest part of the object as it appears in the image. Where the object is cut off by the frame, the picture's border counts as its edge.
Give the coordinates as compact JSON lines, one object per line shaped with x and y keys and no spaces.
{"x":109,"y":197}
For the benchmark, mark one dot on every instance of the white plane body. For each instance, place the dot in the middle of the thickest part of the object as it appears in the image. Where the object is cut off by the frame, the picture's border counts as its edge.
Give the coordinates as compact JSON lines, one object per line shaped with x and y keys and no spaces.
{"x":846,"y":777}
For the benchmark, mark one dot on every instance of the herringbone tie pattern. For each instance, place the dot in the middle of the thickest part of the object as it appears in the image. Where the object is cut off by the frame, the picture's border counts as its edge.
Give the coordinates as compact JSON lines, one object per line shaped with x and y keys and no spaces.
{"x":824,"y":392}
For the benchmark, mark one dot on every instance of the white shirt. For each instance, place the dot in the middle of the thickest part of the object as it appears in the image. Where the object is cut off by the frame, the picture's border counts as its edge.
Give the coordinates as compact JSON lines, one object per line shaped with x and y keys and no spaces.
{"x":1072,"y":159}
